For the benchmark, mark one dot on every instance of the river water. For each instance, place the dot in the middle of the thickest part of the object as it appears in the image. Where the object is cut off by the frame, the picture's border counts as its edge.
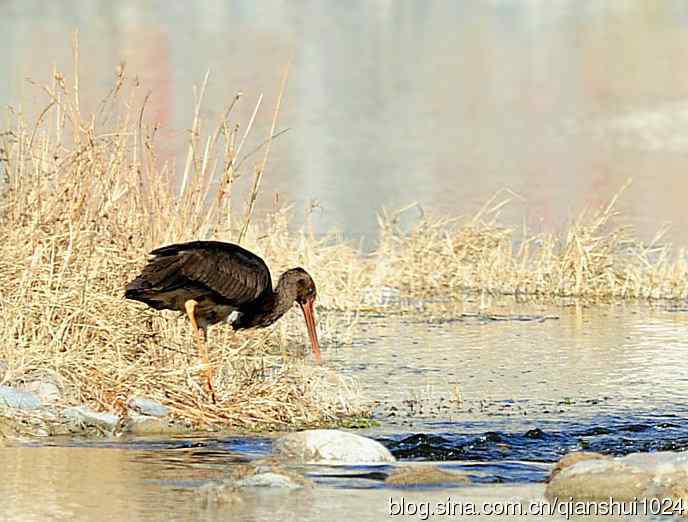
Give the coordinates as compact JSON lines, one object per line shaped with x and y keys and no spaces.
{"x":498,"y":398}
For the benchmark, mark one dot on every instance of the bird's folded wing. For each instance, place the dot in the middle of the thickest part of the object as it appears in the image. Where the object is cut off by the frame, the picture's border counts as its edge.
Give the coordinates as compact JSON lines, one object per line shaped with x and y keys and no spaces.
{"x":231,"y":275}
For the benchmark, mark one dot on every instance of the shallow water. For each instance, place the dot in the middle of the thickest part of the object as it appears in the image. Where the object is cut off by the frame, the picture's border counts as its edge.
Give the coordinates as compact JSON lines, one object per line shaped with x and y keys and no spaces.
{"x":498,"y":400}
{"x":388,"y":103}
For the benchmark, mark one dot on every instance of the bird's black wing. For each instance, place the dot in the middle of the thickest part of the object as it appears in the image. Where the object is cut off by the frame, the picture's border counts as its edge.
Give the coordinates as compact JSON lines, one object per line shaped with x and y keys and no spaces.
{"x":236,"y":274}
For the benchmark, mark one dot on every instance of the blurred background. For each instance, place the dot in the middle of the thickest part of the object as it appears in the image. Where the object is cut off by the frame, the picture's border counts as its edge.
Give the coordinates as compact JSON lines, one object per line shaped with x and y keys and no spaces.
{"x":391,"y":102}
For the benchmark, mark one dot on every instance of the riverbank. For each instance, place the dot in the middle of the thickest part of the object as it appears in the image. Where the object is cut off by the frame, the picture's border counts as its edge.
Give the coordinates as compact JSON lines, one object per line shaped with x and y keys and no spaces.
{"x":85,"y":197}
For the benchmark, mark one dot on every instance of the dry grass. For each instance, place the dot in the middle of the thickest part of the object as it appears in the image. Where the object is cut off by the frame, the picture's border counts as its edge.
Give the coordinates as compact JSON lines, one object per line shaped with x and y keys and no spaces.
{"x":83,"y":198}
{"x":597,"y":257}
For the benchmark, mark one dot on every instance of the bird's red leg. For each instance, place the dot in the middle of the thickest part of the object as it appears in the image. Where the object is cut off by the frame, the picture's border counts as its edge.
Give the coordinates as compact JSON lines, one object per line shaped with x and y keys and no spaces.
{"x":200,"y":334}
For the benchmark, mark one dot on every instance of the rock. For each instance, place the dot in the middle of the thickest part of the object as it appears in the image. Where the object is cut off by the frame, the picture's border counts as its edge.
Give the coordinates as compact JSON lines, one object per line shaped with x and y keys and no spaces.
{"x":330,"y":447}
{"x":269,"y":480}
{"x":572,"y":458}
{"x":148,"y":407}
{"x":593,"y":477}
{"x":265,"y":473}
{"x":18,"y":399}
{"x":46,"y":391}
{"x":423,"y":475}
{"x":598,"y":480}
{"x":145,"y":425}
{"x":86,"y":416}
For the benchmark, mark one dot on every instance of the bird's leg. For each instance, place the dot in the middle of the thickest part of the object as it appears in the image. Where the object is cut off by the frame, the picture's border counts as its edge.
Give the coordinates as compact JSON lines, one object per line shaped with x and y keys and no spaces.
{"x":201,"y":337}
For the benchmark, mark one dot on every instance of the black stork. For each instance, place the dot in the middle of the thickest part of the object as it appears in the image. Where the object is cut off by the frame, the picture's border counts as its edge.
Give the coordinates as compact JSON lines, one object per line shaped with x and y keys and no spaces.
{"x":213,"y":281}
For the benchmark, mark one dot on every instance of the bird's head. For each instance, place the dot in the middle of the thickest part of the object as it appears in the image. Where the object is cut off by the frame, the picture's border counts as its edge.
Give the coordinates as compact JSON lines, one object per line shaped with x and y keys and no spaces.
{"x":306,"y":293}
{"x":305,"y":287}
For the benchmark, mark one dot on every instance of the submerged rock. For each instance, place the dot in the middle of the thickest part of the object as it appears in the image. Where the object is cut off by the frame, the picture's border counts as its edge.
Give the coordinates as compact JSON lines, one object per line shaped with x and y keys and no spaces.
{"x":258,"y":474}
{"x":270,"y":480}
{"x":423,"y":475}
{"x":149,"y":407}
{"x":84,"y":415}
{"x":330,"y":447}
{"x":267,"y":473}
{"x":593,"y":477}
{"x":21,"y":400}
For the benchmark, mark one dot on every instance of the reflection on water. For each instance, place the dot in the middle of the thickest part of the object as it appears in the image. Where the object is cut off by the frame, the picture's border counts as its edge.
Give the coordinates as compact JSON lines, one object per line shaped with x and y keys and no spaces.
{"x":389,"y":102}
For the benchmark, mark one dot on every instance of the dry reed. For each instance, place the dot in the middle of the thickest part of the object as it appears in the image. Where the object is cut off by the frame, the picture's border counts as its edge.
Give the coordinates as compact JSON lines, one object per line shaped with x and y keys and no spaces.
{"x":83,"y":199}
{"x":597,"y":257}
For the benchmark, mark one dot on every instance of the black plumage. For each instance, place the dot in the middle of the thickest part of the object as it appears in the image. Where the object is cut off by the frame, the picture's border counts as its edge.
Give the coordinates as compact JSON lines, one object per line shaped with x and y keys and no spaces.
{"x":222,"y":275}
{"x":213,"y":281}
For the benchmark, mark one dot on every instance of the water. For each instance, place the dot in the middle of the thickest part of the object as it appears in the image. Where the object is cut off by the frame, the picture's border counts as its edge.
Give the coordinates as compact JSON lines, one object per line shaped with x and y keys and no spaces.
{"x":443,"y":103}
{"x":497,"y":400}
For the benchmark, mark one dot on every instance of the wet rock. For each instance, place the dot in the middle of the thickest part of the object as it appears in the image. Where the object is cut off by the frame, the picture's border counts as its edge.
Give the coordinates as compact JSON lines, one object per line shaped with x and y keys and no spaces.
{"x":146,"y":425}
{"x":598,"y":480}
{"x":572,"y":458}
{"x":82,"y":415}
{"x":269,"y":480}
{"x":330,"y":447}
{"x":424,"y":475}
{"x":18,"y":399}
{"x":149,"y":407}
{"x":590,"y":476}
{"x":267,"y":474}
{"x":46,"y":391}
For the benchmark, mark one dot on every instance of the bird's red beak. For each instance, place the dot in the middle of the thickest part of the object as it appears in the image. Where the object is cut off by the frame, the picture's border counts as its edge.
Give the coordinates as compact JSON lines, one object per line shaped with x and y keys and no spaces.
{"x":309,"y":316}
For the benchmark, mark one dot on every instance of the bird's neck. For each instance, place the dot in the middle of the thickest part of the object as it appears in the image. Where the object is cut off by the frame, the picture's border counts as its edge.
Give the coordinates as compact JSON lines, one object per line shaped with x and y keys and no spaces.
{"x":273,"y":306}
{"x":284,"y":296}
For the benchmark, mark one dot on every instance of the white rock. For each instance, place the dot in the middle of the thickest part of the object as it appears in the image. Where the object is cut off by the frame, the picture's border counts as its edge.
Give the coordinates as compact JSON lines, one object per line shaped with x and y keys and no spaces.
{"x":660,"y":462}
{"x":47,"y":391}
{"x":149,"y":407}
{"x":88,"y":417}
{"x":18,"y":399}
{"x":268,"y":480}
{"x":330,"y":447}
